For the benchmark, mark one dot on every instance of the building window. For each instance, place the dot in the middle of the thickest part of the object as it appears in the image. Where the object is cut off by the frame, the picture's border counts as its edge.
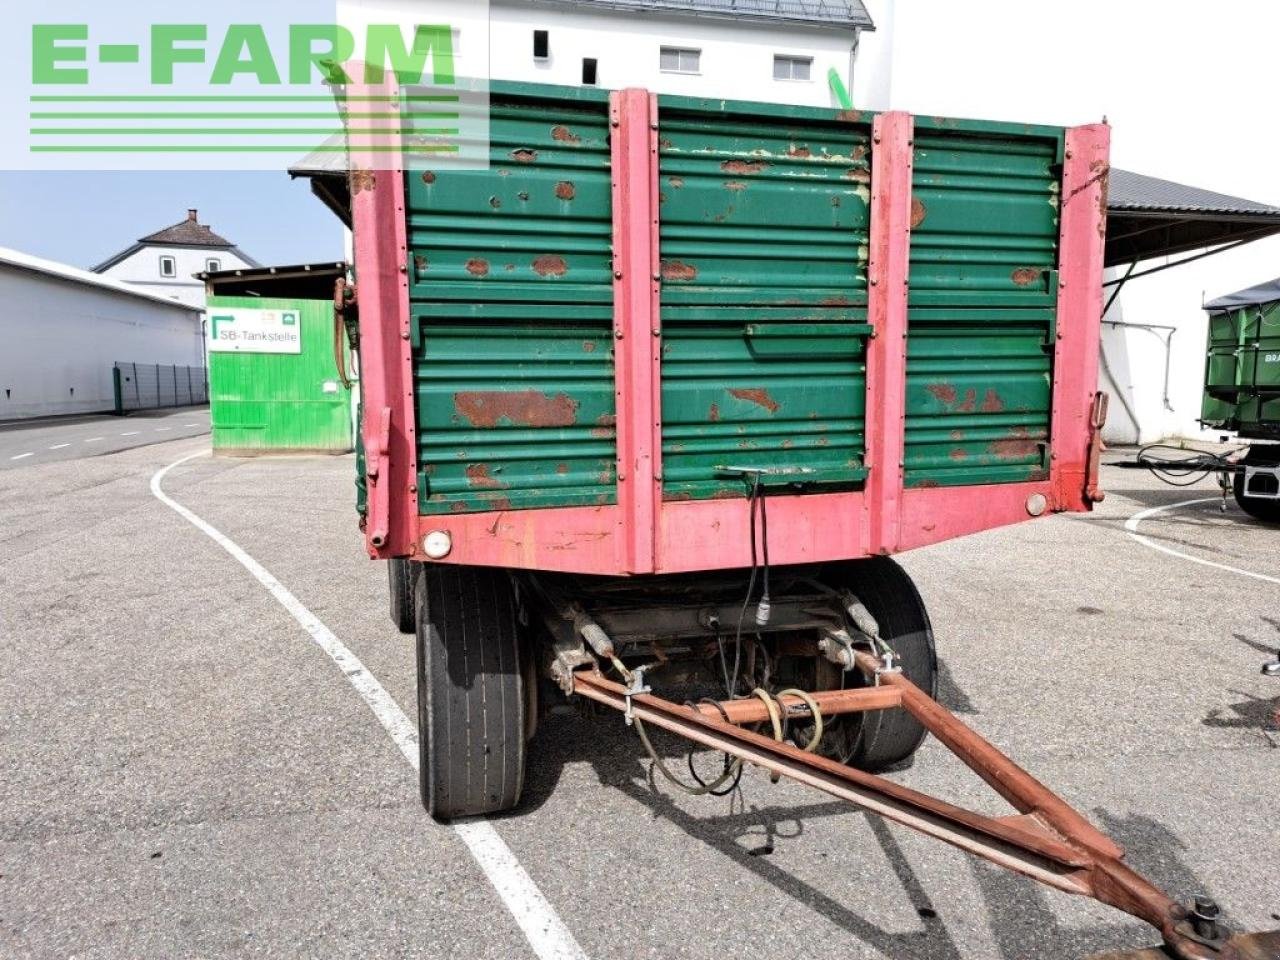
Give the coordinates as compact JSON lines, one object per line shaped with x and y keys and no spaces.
{"x":213,"y":266}
{"x":541,"y":45}
{"x":792,"y":68}
{"x":168,"y":267}
{"x":589,"y":71}
{"x":680,"y":60}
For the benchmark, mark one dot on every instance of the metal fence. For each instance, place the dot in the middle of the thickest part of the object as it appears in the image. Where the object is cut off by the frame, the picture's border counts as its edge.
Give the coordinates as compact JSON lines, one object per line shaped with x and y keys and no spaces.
{"x":149,"y":386}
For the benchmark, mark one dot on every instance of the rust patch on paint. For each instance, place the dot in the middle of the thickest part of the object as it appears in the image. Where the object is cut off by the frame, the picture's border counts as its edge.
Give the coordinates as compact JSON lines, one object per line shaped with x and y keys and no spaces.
{"x":519,"y":408}
{"x":957,"y":435}
{"x":757,"y":396}
{"x":588,"y":346}
{"x":837,"y":301}
{"x":970,"y":402}
{"x":1025,"y":276}
{"x":495,"y":203}
{"x":523,"y":196}
{"x":736,"y":186}
{"x":725,"y":494}
{"x":943,"y":392}
{"x":849,"y":116}
{"x":741,"y":168}
{"x":959,"y":453}
{"x":605,"y":424}
{"x":918,"y":212}
{"x":714,"y":413}
{"x":478,"y":476}
{"x":858,"y":152}
{"x":664,"y":144}
{"x":428,"y":177}
{"x":550,"y":265}
{"x":420,"y":263}
{"x":678,"y":270}
{"x":926,"y":484}
{"x":992,"y":403}
{"x":605,"y":475}
{"x":458,"y":506}
{"x":858,"y":175}
{"x":802,"y":153}
{"x":564,"y":135}
{"x":510,"y":268}
{"x":676,"y":182}
{"x":524,"y":155}
{"x":682,"y":495}
{"x":362,"y":180}
{"x":562,"y":468}
{"x":565,"y":190}
{"x":478,"y":267}
{"x":835,"y":200}
{"x":1017,"y":445}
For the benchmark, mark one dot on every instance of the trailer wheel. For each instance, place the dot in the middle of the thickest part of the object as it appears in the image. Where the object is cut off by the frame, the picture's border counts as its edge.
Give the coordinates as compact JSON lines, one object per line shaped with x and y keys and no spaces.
{"x":471,"y":705}
{"x":400,"y":581}
{"x":884,"y":740}
{"x":1256,"y":507}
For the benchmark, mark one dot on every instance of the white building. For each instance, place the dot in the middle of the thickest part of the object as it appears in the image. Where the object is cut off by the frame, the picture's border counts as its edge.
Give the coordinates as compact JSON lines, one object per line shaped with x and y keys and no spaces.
{"x":63,"y":329}
{"x":165,"y":263}
{"x":778,"y":51}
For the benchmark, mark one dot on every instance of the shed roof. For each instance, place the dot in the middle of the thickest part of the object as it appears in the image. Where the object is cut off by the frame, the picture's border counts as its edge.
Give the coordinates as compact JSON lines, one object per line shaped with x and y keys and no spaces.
{"x":1149,"y":217}
{"x":839,"y":13}
{"x":62,"y":271}
{"x":301,"y":281}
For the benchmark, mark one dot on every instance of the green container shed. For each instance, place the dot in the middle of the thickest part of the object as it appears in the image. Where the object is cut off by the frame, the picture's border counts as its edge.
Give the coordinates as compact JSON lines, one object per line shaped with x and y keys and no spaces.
{"x":274,"y":383}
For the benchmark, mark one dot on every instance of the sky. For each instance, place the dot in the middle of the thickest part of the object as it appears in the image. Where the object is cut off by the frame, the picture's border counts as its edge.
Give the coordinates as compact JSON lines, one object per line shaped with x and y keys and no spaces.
{"x":84,"y":218}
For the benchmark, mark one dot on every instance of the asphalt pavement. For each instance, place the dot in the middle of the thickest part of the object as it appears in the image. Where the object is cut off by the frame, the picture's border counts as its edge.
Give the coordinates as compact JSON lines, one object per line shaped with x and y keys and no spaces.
{"x":25,"y":443}
{"x":184,"y":773}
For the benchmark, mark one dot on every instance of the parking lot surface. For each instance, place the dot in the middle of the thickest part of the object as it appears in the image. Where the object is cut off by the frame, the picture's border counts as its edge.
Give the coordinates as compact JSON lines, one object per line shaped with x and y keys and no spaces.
{"x":184,"y":772}
{"x":27,"y":443}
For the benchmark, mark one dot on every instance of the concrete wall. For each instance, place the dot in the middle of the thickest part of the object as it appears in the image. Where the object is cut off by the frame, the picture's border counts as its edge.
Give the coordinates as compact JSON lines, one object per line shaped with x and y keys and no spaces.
{"x":1179,"y":88}
{"x":142,"y":269}
{"x":61,"y":338}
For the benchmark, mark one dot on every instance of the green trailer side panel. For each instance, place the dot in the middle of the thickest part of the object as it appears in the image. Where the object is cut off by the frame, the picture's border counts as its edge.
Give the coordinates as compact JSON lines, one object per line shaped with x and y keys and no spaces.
{"x":276,"y":401}
{"x":512,"y":303}
{"x":982,"y":303}
{"x":763,"y":238}
{"x":1242,"y":371}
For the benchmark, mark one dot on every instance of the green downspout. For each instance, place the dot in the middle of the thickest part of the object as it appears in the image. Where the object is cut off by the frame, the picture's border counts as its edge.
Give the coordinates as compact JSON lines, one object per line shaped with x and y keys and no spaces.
{"x":838,"y":88}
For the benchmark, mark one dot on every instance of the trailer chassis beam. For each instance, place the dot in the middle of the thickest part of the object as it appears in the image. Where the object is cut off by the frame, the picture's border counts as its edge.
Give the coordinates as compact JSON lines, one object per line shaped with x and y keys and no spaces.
{"x":1047,"y":840}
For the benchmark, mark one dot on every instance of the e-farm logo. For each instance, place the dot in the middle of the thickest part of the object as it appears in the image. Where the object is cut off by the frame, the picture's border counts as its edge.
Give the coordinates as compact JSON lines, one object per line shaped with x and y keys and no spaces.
{"x":144,"y":94}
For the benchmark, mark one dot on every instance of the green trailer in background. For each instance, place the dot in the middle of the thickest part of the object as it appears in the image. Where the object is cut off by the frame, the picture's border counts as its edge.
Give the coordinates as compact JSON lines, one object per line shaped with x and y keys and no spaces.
{"x":1242,"y":389}
{"x":274,"y":381}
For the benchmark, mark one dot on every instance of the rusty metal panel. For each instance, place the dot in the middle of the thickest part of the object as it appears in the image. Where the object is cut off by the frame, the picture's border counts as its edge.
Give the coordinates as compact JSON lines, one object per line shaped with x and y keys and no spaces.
{"x":511,"y":298}
{"x":763,"y":245}
{"x":983,"y":294}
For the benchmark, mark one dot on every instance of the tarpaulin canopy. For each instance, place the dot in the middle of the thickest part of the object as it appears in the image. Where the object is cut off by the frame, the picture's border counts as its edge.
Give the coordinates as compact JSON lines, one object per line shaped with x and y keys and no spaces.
{"x":1254,"y":296}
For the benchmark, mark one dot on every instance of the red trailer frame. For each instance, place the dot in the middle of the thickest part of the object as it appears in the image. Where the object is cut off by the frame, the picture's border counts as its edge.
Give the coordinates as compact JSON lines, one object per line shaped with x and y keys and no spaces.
{"x":644,"y":534}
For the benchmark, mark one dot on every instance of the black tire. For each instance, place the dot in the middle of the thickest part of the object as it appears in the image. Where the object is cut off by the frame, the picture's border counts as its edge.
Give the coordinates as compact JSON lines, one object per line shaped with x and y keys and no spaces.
{"x":883,"y":740}
{"x":471,"y":705}
{"x":400,"y":583}
{"x":1266,"y":510}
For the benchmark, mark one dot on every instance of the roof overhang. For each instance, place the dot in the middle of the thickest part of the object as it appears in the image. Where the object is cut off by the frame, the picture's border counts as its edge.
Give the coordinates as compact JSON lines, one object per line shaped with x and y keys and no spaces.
{"x":301,"y":281}
{"x":1148,"y":217}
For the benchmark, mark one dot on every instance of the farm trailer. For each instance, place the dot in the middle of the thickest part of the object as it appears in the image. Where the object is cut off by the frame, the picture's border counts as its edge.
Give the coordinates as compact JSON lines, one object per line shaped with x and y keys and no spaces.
{"x":657,"y":395}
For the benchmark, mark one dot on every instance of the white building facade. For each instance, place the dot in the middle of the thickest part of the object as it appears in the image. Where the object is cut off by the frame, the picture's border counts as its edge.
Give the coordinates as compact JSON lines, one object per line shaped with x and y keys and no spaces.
{"x":65,"y":328}
{"x":165,"y":263}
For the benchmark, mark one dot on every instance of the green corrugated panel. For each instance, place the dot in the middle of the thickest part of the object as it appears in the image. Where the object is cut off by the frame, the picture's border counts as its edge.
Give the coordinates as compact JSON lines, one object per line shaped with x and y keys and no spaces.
{"x":983,"y":299}
{"x":278,"y":401}
{"x":764,"y":222}
{"x":1242,"y":372}
{"x":512,"y":303}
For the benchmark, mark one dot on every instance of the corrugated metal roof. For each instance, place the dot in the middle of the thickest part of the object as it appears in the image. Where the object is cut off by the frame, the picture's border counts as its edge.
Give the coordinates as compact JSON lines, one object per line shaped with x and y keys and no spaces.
{"x":844,"y":13}
{"x":62,"y":271}
{"x":1138,"y":192}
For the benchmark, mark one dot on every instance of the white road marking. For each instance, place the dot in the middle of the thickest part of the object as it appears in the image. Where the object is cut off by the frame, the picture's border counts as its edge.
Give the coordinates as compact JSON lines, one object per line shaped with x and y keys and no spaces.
{"x":1131,"y":525}
{"x":93,"y":440}
{"x":22,"y":456}
{"x":190,"y":426}
{"x":59,"y":446}
{"x":131,"y":433}
{"x":163,"y":429}
{"x":545,"y":931}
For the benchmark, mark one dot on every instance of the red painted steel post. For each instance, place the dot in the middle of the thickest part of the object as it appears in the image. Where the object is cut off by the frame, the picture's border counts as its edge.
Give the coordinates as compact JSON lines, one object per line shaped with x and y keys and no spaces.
{"x":382,"y":263}
{"x":887,"y":277}
{"x":636,"y":331}
{"x":1086,"y":167}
